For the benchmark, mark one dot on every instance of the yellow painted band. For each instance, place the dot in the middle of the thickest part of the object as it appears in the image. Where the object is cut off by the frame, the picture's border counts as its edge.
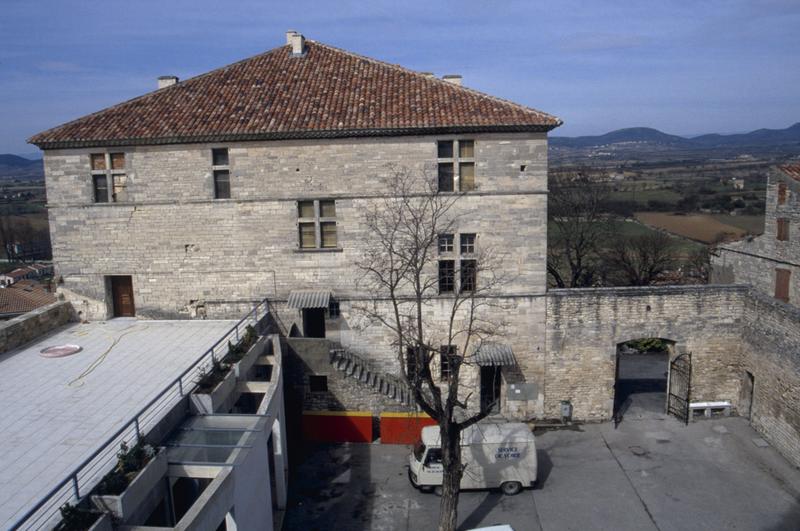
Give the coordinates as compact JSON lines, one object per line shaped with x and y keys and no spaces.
{"x":404,"y":414}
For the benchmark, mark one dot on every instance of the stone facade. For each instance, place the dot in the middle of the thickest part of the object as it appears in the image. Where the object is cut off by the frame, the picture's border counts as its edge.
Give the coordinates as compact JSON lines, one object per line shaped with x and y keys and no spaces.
{"x":755,"y":261}
{"x":182,"y":247}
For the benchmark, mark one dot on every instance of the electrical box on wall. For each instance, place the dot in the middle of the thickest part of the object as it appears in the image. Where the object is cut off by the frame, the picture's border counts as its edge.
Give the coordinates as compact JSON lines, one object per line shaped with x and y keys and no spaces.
{"x":523,"y":391}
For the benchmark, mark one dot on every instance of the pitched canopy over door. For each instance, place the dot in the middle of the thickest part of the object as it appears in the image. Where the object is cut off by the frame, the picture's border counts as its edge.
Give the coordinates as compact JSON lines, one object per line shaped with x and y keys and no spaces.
{"x":309,"y":299}
{"x":494,"y":354}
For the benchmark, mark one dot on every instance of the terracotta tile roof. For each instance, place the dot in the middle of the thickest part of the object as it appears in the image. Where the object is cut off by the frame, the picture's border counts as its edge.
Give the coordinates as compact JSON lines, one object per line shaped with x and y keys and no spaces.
{"x":792,"y":170}
{"x":328,"y":92}
{"x":22,"y":297}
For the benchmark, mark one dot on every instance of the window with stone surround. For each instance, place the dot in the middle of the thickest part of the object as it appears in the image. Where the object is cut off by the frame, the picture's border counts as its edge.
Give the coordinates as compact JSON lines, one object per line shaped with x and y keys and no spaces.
{"x":222,"y":173}
{"x":783,"y":229}
{"x":782,"y":277}
{"x":445,"y":243}
{"x":463,"y":263}
{"x":316,"y":223}
{"x":456,"y":165}
{"x":109,"y":179}
{"x":447,"y":276}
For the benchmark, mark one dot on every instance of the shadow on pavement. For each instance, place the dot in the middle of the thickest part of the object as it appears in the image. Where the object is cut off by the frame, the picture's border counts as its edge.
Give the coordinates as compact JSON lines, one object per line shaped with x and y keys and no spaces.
{"x":480,"y":512}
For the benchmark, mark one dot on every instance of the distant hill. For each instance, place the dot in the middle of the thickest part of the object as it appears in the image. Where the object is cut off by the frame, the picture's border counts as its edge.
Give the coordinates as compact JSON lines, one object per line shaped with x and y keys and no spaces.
{"x":15,"y":161}
{"x":21,"y":168}
{"x":654,"y":137}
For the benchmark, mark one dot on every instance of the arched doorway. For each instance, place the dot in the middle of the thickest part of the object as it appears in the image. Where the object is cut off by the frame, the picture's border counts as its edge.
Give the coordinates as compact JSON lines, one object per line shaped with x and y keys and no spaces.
{"x":640,"y":387}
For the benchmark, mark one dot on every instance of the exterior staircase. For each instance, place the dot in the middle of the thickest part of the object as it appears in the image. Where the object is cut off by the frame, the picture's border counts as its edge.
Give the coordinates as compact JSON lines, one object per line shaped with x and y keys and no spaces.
{"x":356,"y":367}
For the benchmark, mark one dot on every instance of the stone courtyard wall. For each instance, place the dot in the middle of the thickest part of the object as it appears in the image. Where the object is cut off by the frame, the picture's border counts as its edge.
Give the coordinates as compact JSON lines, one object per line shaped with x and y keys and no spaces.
{"x":34,"y":324}
{"x":771,"y":353}
{"x":584,"y":327}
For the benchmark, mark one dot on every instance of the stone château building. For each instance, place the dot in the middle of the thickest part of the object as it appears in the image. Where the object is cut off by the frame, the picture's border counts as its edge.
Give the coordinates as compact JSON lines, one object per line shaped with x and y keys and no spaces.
{"x":252,"y":181}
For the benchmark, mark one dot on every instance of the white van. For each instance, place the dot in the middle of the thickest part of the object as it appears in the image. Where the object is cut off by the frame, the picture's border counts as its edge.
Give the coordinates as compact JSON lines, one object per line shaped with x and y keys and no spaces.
{"x":493,"y":455}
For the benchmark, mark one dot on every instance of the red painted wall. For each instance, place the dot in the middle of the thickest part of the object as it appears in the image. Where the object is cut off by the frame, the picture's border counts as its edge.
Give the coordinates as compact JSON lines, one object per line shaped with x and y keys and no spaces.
{"x":337,"y":426}
{"x":403,"y":428}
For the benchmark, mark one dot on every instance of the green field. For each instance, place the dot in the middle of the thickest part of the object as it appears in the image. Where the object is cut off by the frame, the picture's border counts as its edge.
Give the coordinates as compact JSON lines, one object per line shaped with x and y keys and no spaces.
{"x":643,"y":196}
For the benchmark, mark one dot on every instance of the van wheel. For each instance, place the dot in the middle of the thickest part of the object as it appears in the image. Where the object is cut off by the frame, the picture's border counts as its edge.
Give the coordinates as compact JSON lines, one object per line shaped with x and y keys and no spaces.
{"x":511,"y":488}
{"x":438,"y":490}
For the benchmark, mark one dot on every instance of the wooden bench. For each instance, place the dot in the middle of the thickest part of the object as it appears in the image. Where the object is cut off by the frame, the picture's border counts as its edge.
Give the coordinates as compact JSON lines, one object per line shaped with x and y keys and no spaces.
{"x":708,"y":407}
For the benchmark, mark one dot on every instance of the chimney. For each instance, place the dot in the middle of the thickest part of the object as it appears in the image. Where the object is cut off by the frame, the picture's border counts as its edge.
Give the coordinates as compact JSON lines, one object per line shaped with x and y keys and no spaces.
{"x":428,"y":74}
{"x":455,"y":79}
{"x":297,"y":41}
{"x":166,"y":81}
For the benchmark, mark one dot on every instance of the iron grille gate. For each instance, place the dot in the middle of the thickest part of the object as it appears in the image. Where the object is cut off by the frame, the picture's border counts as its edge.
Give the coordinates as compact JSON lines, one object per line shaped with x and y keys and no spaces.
{"x":680,"y":378}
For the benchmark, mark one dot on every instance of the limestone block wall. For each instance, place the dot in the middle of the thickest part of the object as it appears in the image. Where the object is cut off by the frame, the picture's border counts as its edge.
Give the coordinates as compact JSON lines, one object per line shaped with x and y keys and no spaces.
{"x":584,"y":327}
{"x":523,"y":331}
{"x":771,"y":353}
{"x":31,"y":325}
{"x":182,"y":247}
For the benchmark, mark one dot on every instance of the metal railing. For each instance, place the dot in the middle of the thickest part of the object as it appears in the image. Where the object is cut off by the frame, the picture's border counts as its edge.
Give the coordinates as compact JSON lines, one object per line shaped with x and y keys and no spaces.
{"x":88,"y":473}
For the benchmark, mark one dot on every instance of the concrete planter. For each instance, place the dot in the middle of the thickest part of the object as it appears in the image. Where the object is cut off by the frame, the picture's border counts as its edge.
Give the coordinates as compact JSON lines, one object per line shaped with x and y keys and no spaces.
{"x":207,"y":403}
{"x":125,"y":505}
{"x":102,"y":524}
{"x":243,"y":366}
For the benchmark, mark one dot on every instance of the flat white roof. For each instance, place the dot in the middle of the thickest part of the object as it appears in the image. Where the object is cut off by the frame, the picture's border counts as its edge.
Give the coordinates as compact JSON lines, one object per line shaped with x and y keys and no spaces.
{"x":56,"y":411}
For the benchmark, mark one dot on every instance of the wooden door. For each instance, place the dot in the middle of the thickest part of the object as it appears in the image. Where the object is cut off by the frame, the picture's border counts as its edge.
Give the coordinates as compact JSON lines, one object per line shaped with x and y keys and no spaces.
{"x":122,"y":294}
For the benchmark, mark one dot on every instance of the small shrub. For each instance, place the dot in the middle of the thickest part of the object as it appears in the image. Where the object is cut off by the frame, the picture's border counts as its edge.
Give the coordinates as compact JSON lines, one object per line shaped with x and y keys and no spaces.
{"x":129,"y":462}
{"x":76,"y":519}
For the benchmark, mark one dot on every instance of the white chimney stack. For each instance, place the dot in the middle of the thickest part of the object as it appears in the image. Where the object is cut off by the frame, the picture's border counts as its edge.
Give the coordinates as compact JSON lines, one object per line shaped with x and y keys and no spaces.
{"x":455,"y":79}
{"x":167,"y":81}
{"x":297,"y":41}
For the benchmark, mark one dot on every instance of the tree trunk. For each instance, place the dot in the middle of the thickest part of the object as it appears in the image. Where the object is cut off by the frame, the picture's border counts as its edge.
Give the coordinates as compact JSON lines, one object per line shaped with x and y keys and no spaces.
{"x":451,"y":477}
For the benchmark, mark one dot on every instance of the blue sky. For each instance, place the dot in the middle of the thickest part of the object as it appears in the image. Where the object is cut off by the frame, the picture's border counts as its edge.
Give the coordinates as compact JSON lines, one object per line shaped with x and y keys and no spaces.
{"x":685,"y":67}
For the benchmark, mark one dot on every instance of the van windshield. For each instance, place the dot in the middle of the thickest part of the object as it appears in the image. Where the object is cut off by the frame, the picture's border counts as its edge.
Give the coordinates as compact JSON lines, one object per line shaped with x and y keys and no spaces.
{"x":419,"y":450}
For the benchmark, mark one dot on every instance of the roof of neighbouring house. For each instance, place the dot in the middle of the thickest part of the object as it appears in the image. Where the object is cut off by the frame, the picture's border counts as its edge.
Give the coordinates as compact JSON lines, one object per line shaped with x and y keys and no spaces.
{"x":327,"y":92}
{"x":792,"y":170}
{"x":22,"y":297}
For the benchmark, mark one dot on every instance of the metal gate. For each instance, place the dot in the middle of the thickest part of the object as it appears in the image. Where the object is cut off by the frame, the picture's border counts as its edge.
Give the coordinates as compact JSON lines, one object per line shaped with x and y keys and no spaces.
{"x":679,"y":391}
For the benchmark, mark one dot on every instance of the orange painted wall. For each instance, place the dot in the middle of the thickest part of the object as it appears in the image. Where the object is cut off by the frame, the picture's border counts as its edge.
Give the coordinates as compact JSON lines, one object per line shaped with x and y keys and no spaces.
{"x":403,"y":428}
{"x":337,"y":426}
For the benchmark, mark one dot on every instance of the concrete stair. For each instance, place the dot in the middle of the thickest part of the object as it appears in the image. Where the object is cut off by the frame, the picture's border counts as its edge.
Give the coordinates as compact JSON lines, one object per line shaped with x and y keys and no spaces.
{"x":354,"y":366}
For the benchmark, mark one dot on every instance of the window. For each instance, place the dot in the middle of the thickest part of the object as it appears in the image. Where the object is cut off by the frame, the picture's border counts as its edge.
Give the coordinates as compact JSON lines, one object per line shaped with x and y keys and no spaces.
{"x":456,"y":165}
{"x":222,"y":184}
{"x":108,"y":173}
{"x":317,"y":224}
{"x":783,"y":229}
{"x":467,"y":243}
{"x":447,"y":276}
{"x":100,"y":188}
{"x":781,"y":193}
{"x":433,"y":457}
{"x":446,"y":359}
{"x":782,"y":277}
{"x":468,"y":274}
{"x":333,"y":310}
{"x":222,"y":173}
{"x":219,"y":157}
{"x":445,"y":243}
{"x":411,"y":363}
{"x":317,"y":384}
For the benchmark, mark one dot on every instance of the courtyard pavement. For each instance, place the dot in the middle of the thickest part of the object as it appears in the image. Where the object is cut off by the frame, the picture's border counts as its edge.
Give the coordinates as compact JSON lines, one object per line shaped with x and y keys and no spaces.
{"x":652,"y":473}
{"x":57,"y":411}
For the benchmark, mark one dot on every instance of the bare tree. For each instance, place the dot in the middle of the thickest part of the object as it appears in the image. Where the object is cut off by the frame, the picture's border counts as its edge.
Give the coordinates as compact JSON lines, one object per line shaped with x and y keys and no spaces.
{"x":401,"y":268}
{"x":578,"y":226}
{"x":640,"y":260}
